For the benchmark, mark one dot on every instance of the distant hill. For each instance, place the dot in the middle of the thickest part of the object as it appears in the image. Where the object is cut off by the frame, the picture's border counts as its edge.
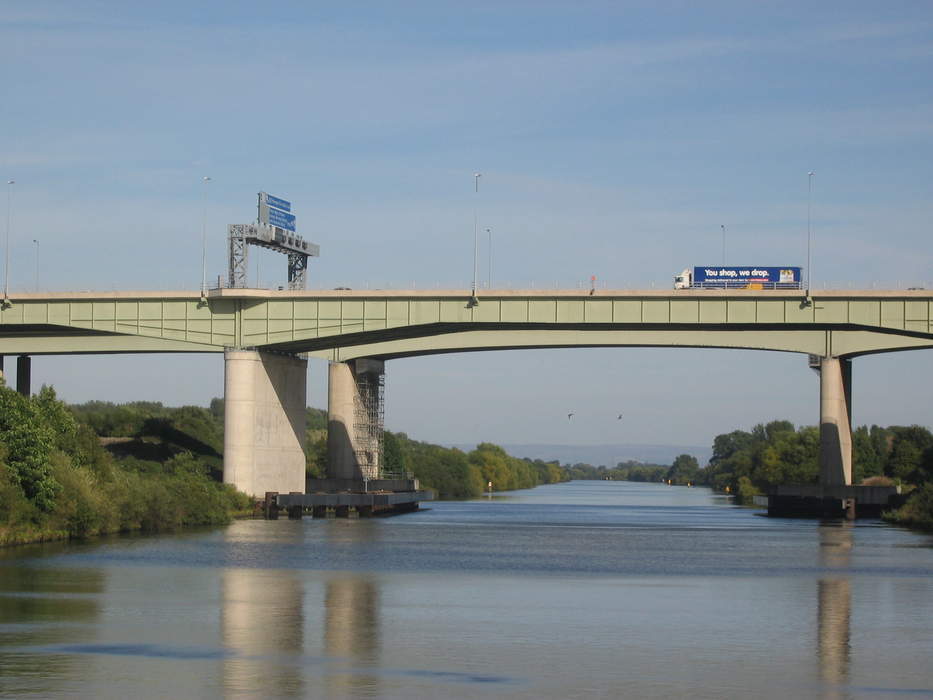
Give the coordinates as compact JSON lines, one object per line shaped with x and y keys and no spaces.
{"x":608,"y":455}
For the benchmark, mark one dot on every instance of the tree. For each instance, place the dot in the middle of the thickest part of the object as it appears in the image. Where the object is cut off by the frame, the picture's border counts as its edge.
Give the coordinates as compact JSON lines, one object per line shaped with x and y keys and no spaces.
{"x":29,"y":442}
{"x":393,"y":458}
{"x":908,"y":445}
{"x":684,"y":470}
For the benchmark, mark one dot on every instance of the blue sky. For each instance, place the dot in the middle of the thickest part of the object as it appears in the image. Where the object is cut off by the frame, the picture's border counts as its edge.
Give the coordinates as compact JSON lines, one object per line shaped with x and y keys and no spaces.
{"x":614,"y":138}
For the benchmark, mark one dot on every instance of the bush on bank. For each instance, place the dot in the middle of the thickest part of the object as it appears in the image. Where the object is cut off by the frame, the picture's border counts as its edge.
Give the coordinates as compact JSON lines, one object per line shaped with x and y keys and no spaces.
{"x":748,"y":463}
{"x":57,"y":482}
{"x":918,"y":511}
{"x":161,"y":467}
{"x":453,"y":473}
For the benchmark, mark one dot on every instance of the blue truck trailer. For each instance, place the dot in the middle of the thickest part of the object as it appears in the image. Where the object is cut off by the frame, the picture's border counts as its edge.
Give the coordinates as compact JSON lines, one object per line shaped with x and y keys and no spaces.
{"x":739,"y":277}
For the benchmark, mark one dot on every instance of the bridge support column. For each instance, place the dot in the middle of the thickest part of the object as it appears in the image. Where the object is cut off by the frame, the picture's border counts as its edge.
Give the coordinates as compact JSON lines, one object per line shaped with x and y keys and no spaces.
{"x":354,"y":419}
{"x":23,"y":374}
{"x":835,"y":421}
{"x":265,"y":396}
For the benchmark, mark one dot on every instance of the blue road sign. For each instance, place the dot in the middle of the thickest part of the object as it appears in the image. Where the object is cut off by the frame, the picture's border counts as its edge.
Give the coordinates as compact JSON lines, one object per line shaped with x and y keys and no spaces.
{"x":282,"y":204}
{"x":281,"y":219}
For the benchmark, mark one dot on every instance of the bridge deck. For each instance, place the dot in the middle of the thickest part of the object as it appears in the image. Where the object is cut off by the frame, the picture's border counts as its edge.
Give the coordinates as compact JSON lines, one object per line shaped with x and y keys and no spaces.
{"x":343,"y":324}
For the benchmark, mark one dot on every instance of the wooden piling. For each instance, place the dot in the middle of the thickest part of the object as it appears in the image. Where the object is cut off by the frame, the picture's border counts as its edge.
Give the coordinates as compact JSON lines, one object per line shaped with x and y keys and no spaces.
{"x":271,"y":505}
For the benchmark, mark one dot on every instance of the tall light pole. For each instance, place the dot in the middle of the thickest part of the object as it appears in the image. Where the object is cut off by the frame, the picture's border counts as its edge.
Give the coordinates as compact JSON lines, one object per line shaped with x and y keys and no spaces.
{"x":723,"y":227}
{"x":809,"y":198}
{"x":9,"y":218}
{"x":36,"y":241}
{"x":476,"y":177}
{"x":489,"y":272}
{"x":205,"y":180}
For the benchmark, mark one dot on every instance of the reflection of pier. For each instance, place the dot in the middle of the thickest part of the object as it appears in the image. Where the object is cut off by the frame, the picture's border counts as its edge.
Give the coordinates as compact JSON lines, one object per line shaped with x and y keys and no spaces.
{"x":261,"y":620}
{"x":834,"y":609}
{"x":264,"y":619}
{"x":351,"y":634}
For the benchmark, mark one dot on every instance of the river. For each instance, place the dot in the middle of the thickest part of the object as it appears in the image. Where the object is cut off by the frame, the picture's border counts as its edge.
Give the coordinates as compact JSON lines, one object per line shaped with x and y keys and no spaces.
{"x":577,"y":590}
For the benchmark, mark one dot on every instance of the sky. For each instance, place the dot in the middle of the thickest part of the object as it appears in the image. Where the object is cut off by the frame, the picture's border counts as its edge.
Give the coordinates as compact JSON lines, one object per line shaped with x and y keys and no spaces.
{"x":614,"y":139}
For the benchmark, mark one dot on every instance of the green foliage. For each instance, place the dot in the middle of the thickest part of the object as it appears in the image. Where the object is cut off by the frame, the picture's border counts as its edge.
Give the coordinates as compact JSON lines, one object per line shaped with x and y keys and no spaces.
{"x":908,"y":457}
{"x":29,"y":440}
{"x":315,"y":418}
{"x":57,"y":481}
{"x":918,"y":511}
{"x":684,"y":470}
{"x":747,"y":463}
{"x":393,"y":457}
{"x":315,"y":443}
{"x":158,"y":467}
{"x":158,"y":432}
{"x":623,"y":471}
{"x":316,"y":453}
{"x":455,"y":474}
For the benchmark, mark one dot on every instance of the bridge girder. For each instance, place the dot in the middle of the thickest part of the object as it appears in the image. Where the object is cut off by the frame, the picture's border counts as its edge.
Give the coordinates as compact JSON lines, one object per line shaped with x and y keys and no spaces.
{"x":347,"y":325}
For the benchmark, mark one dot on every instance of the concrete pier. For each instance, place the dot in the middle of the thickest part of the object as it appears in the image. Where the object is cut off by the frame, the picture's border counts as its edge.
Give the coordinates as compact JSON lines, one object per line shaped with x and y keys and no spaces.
{"x":835,"y":425}
{"x":352,"y":449}
{"x":834,"y":496}
{"x":23,"y":374}
{"x":265,"y":396}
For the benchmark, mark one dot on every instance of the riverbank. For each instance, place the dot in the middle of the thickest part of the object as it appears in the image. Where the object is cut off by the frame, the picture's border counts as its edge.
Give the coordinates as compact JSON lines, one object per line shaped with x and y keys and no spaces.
{"x":57,"y":482}
{"x":73,"y":472}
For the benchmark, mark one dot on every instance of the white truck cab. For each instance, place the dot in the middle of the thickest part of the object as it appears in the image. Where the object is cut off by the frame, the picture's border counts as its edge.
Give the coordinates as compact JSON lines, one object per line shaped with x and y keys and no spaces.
{"x":684,"y":280}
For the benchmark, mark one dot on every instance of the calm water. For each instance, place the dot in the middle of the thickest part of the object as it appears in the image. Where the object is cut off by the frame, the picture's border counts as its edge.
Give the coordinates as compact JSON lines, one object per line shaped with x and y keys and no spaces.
{"x":580,"y":590}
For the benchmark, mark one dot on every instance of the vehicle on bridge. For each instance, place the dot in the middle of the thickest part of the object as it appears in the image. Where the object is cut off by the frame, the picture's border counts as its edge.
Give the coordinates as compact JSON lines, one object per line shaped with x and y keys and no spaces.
{"x":739,"y":277}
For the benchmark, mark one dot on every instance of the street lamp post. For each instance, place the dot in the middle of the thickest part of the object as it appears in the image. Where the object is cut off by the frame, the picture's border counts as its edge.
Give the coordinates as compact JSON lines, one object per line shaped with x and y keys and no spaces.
{"x":809,"y":198}
{"x":489,"y":272}
{"x":9,"y":218}
{"x":205,"y":180}
{"x":723,"y":227}
{"x":476,"y":177}
{"x":36,"y":241}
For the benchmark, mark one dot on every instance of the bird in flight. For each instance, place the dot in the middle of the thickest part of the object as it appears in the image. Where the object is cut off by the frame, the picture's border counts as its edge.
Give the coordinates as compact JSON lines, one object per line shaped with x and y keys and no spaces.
{"x":569,"y":416}
{"x":620,"y":417}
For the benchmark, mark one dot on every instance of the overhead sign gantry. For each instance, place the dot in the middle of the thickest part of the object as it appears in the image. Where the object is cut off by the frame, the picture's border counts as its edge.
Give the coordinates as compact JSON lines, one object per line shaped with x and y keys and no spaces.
{"x":274,"y":230}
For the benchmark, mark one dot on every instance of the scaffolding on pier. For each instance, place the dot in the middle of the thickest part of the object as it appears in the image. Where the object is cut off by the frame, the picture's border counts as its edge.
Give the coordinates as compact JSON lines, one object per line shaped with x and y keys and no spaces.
{"x":369,"y":408}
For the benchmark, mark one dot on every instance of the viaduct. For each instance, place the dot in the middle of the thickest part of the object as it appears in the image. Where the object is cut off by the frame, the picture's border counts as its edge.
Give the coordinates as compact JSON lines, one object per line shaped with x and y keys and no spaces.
{"x":267,"y":336}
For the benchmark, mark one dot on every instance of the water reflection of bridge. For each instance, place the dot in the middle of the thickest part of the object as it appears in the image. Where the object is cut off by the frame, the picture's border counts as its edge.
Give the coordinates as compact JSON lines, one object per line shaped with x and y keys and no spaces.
{"x":291,"y":634}
{"x":834,"y":609}
{"x":270,"y":617}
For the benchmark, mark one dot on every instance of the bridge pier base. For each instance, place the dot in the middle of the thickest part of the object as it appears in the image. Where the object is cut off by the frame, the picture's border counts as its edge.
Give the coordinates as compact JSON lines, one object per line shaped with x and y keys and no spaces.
{"x":354,"y":419}
{"x":23,"y":374}
{"x":835,"y":422}
{"x":265,"y":396}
